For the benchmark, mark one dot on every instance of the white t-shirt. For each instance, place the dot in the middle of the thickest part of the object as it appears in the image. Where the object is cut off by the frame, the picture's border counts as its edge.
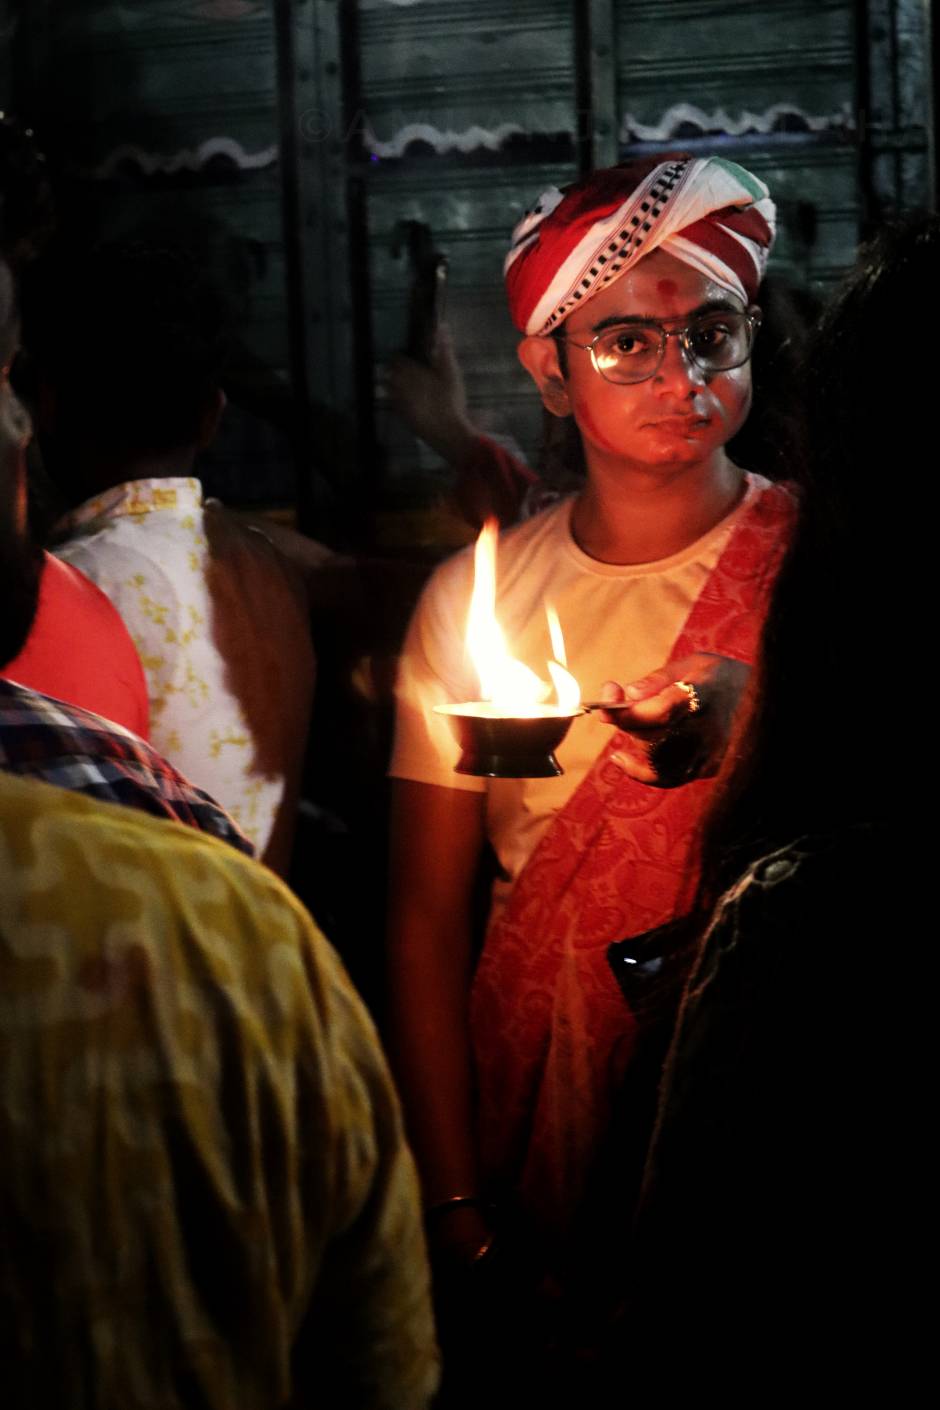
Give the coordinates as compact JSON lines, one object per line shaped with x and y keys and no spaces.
{"x":620,"y":622}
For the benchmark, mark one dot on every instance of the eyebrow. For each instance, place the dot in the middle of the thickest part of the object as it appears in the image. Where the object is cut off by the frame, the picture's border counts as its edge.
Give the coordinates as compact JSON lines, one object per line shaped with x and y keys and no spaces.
{"x":615,"y":320}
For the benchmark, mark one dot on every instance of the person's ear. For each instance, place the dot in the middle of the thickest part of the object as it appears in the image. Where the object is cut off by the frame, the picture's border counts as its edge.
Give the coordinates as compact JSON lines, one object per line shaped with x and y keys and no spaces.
{"x":539,"y":357}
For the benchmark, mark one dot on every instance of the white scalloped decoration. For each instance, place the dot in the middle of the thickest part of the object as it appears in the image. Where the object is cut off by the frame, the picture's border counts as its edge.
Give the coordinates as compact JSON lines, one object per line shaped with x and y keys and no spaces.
{"x":187,"y":159}
{"x":471,"y":139}
{"x":721,"y":121}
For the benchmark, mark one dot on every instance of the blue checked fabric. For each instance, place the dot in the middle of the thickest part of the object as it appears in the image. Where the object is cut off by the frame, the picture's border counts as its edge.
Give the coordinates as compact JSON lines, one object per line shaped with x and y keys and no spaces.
{"x":64,"y":745}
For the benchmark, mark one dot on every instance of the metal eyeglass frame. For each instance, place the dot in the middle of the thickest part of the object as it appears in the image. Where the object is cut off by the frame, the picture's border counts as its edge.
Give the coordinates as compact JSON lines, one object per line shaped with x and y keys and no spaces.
{"x":752,"y":317}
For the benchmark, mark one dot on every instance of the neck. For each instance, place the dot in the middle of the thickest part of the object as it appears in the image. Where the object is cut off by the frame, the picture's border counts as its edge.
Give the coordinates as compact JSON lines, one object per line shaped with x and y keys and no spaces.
{"x":90,"y":473}
{"x":639,"y":514}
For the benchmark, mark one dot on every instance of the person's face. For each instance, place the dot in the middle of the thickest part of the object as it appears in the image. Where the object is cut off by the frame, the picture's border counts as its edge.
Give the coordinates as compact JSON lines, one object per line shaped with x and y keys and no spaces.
{"x":680,"y":415}
{"x":19,"y":561}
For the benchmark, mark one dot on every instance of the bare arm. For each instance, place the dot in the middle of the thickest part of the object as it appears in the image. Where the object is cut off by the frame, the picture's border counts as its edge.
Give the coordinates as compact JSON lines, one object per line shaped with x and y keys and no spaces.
{"x":437,"y":834}
{"x":433,"y":402}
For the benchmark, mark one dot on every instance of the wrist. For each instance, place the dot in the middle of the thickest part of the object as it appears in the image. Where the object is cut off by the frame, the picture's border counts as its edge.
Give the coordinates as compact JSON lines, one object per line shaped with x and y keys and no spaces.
{"x":460,"y":1232}
{"x":451,"y":1203}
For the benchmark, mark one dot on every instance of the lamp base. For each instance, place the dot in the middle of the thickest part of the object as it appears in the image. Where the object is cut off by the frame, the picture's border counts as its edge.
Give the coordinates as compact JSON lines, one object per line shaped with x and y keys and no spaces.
{"x":506,"y":746}
{"x":508,"y":765}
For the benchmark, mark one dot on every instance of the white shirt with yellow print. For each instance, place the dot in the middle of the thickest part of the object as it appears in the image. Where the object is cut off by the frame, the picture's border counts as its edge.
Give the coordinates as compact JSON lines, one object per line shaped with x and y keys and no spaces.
{"x":219,"y":632}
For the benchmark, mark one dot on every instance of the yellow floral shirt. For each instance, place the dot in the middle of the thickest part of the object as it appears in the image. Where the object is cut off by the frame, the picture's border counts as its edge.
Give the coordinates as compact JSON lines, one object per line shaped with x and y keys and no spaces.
{"x":222,"y":636}
{"x":205,"y":1194}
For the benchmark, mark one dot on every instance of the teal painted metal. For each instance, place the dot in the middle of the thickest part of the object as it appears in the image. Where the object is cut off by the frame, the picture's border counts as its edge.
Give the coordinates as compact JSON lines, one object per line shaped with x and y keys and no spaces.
{"x":468,"y":112}
{"x":324,"y":173}
{"x":8,"y":25}
{"x":770,"y":83}
{"x":726,"y":69}
{"x":459,"y":76}
{"x":165,"y":77}
{"x":602,"y":83}
{"x":897,"y":35}
{"x":161,"y":115}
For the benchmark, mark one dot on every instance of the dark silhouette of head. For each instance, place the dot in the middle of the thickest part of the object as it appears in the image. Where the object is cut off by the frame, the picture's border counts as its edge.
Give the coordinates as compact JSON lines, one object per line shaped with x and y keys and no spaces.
{"x":129,"y":342}
{"x":835,"y":729}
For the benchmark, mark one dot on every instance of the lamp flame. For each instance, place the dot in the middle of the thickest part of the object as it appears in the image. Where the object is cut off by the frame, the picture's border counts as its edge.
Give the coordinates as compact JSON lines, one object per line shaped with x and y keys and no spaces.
{"x":508,"y":685}
{"x":566,"y":687}
{"x":555,"y":632}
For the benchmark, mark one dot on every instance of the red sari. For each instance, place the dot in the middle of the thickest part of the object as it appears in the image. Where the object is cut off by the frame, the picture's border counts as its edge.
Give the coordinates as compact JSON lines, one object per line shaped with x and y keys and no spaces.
{"x":551,"y":1034}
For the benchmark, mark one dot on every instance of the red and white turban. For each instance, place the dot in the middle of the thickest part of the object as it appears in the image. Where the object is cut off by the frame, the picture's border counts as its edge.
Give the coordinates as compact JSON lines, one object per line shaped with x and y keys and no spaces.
{"x":707,"y":212}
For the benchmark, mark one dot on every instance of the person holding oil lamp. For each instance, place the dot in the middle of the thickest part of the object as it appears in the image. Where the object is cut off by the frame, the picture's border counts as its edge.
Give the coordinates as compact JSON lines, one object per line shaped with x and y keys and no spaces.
{"x":634,"y":290}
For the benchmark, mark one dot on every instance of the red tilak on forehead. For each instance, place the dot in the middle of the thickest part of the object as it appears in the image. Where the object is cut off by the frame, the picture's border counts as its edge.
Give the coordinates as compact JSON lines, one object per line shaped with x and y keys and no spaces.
{"x":667,"y":288}
{"x":710,"y":213}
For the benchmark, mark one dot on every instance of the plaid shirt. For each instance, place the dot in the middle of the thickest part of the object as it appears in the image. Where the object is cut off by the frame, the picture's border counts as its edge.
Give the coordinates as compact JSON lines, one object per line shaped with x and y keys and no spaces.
{"x":74,"y":749}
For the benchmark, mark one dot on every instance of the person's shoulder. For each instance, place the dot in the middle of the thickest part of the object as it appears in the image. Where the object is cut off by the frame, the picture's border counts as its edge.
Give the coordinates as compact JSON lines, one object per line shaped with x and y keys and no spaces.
{"x":117,"y":558}
{"x":549,"y":525}
{"x":247,"y":562}
{"x":127,"y":898}
{"x":825,"y":884}
{"x":449,"y":581}
{"x":73,"y":747}
{"x":178,"y":875}
{"x":23,"y":704}
{"x":547,"y":528}
{"x":70,"y":593}
{"x":817,"y":853}
{"x":136,"y":516}
{"x":98,"y":827}
{"x":777,"y":498}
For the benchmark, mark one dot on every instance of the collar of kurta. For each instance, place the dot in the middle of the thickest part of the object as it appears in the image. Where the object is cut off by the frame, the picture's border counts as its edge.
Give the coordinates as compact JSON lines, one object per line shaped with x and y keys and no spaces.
{"x":136,"y":499}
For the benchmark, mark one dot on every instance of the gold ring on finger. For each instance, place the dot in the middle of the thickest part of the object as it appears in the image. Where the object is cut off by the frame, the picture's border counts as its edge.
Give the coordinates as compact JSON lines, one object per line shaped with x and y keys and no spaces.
{"x":695,"y":700}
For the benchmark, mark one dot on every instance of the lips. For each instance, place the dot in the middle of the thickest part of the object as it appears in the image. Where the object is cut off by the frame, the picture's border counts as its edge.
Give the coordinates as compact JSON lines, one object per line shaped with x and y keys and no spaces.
{"x":680,"y":425}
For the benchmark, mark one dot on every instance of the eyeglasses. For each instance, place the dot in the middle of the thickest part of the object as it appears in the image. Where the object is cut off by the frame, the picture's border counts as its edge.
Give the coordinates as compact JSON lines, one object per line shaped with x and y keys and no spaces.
{"x":632,"y":351}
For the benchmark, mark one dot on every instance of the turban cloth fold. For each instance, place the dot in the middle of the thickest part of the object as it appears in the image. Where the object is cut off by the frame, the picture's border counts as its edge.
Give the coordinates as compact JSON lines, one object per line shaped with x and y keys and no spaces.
{"x":707,"y":212}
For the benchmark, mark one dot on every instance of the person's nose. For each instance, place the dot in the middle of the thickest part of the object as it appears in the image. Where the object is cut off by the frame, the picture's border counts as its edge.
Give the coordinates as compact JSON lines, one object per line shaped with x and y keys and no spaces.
{"x":679,"y":374}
